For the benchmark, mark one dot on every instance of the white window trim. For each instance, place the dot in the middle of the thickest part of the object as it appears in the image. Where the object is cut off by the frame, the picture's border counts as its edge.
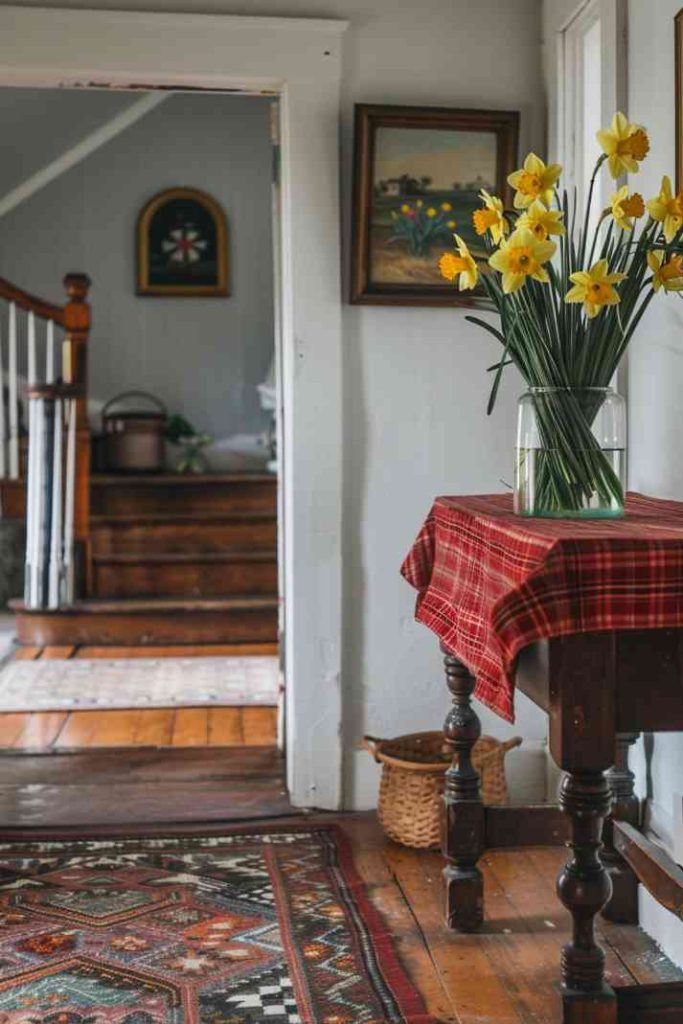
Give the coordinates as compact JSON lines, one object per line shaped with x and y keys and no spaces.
{"x":300,"y":60}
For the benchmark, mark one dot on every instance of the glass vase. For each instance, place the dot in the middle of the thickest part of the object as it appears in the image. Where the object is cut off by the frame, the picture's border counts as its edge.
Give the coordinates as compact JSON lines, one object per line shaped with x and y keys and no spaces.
{"x":571,"y":453}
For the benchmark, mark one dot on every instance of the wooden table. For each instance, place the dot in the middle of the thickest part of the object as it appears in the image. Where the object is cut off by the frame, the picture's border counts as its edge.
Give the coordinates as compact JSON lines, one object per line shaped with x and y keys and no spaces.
{"x":600,"y":691}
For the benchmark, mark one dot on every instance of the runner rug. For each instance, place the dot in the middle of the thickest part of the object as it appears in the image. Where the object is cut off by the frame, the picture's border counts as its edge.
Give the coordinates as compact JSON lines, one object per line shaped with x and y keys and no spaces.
{"x":256,"y":926}
{"x":101,"y":683}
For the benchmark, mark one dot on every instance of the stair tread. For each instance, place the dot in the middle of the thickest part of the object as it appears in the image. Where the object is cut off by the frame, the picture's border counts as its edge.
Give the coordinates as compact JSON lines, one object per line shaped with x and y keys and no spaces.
{"x":178,"y":479}
{"x":137,"y":605}
{"x":187,"y":557}
{"x":181,"y":518}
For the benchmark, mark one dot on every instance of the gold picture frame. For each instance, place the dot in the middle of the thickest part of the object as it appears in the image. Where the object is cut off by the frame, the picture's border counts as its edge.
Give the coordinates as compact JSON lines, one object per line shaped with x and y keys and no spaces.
{"x":182,"y":245}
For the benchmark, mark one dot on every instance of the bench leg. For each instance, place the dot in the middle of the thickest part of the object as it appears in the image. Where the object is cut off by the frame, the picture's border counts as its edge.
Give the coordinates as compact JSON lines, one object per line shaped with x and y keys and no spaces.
{"x":584,"y":887}
{"x":463,"y":820}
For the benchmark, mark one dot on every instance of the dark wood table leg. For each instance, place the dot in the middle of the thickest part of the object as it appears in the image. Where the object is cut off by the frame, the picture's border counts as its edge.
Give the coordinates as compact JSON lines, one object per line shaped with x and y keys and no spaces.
{"x":623,"y":906}
{"x":463,"y":820}
{"x":582,"y":706}
{"x":584,"y":887}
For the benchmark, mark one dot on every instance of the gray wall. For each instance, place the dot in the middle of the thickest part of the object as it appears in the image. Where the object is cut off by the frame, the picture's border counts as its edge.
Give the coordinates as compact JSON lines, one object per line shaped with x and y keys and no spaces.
{"x":414,"y":380}
{"x":202,"y":356}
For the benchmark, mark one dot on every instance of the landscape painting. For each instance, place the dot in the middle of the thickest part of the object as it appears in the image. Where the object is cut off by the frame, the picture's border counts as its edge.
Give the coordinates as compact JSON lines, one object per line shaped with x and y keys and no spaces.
{"x":419,"y":174}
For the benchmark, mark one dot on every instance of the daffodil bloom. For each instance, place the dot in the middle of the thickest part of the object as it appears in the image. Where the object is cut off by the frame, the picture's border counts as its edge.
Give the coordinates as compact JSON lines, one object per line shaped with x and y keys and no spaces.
{"x":451,"y":224}
{"x":463,"y":266}
{"x":405,"y":208}
{"x":595,"y":288}
{"x":624,"y":144}
{"x":521,"y":256}
{"x":490,"y":218}
{"x":542,"y":221}
{"x":419,"y":204}
{"x":534,"y":181}
{"x":667,"y":208}
{"x":669,"y":275}
{"x":446,"y":207}
{"x":625,"y":208}
{"x":431,"y":212}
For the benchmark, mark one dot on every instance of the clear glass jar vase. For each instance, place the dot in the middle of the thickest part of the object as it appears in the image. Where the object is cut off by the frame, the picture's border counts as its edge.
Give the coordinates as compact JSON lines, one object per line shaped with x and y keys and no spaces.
{"x":571,"y":453}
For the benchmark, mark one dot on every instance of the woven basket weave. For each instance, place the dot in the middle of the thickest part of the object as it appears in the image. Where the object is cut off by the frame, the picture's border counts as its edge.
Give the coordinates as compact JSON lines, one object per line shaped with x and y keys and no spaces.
{"x":412,"y":783}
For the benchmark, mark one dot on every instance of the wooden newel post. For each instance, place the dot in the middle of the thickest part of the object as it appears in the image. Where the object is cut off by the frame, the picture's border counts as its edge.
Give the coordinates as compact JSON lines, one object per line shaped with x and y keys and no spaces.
{"x":75,"y":372}
{"x":463,"y":821}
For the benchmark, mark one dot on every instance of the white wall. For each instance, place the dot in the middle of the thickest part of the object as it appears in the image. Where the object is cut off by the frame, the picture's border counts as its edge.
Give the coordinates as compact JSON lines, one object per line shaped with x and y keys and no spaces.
{"x":202,"y":356}
{"x":655,"y":375}
{"x":414,"y":380}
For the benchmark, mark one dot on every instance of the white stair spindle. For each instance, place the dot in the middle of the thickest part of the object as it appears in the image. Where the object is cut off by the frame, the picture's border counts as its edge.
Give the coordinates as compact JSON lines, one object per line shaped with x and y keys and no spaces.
{"x":13,"y":407}
{"x":31,"y":344}
{"x":30,"y":503}
{"x":50,"y":353}
{"x":37,"y":554}
{"x":69,"y":498}
{"x":55,"y":567}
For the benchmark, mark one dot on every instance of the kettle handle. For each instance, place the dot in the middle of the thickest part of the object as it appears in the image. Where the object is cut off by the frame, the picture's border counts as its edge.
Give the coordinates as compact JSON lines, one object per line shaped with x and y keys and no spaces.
{"x":135,"y":394}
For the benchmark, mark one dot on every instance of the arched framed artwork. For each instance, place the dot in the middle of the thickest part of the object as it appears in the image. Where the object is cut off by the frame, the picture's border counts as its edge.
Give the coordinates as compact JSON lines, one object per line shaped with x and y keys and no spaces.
{"x":182,"y":245}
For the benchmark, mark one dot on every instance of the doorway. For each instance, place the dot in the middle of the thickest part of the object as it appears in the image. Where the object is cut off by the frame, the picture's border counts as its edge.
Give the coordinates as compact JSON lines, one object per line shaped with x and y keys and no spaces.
{"x":300,"y":61}
{"x":196,"y":531}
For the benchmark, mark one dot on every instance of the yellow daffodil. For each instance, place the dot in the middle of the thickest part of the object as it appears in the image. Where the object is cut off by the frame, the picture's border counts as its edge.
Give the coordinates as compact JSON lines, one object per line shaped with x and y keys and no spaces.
{"x":667,"y":208}
{"x":534,"y":181}
{"x":446,"y":207}
{"x":462,"y":266}
{"x":521,"y":256}
{"x":667,"y":275}
{"x":451,"y":224}
{"x":431,"y":212}
{"x":542,"y":221}
{"x":405,"y":208}
{"x":595,"y":288}
{"x":625,"y":208}
{"x":419,"y":204}
{"x":490,"y":218}
{"x":624,"y":144}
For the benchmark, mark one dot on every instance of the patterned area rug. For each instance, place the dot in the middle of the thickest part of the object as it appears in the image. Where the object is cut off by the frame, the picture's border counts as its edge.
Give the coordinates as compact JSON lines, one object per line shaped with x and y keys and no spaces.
{"x":68,"y":684}
{"x":249,"y":927}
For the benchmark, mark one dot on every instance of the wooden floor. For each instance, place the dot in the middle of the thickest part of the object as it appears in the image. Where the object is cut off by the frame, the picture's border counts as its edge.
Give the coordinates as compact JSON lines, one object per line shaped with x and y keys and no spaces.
{"x":180,"y":727}
{"x":508,"y":973}
{"x":166,"y":727}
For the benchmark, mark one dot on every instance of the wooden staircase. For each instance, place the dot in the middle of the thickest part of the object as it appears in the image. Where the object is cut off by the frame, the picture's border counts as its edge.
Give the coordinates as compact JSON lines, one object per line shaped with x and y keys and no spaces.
{"x":173,"y":560}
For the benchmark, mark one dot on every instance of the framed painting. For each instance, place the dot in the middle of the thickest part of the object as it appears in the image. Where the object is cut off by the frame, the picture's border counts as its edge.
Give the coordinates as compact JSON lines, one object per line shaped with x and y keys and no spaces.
{"x":182,"y":245}
{"x":418,"y":174}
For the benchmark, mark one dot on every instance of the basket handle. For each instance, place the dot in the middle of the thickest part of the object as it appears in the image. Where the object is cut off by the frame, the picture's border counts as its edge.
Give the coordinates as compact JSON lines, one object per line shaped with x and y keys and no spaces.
{"x":134,"y":394}
{"x":516,"y":741}
{"x":510,"y":744}
{"x":370,"y":743}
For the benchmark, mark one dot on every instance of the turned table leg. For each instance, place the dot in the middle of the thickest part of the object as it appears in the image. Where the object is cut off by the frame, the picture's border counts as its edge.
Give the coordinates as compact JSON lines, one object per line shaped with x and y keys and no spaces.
{"x":623,"y":906}
{"x":584,"y":887}
{"x":463,"y":820}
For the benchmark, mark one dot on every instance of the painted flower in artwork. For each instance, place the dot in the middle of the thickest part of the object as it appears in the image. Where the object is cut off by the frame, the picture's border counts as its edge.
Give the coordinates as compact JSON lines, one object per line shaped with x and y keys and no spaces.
{"x":184,"y":245}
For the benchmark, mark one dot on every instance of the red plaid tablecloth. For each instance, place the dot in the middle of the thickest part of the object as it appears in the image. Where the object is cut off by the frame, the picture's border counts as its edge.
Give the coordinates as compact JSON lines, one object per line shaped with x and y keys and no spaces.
{"x":490,"y":582}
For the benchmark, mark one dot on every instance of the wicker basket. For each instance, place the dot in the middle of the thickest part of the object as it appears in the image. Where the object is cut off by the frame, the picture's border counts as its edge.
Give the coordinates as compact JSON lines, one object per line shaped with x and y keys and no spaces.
{"x":412,"y":782}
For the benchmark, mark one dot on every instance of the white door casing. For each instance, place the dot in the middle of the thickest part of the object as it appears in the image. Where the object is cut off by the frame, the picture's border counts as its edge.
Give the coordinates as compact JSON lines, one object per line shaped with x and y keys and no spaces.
{"x":299,"y":60}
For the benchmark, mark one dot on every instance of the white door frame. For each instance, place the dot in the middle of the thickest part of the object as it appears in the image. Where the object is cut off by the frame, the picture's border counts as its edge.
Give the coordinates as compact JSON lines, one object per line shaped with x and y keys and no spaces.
{"x":299,"y":60}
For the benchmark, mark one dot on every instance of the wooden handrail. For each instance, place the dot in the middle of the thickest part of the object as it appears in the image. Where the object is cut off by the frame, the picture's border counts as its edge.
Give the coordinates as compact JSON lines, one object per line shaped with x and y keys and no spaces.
{"x":30,"y":303}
